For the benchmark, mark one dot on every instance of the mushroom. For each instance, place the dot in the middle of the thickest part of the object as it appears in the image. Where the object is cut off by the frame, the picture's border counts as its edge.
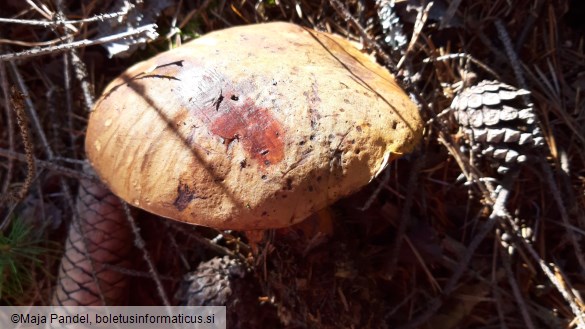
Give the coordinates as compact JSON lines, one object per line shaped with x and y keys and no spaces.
{"x":251,"y":127}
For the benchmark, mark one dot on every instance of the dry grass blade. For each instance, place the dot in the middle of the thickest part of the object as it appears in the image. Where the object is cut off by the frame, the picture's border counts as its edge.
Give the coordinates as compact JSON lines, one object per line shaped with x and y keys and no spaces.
{"x":140,"y":244}
{"x":32,"y":112}
{"x":17,"y":102}
{"x":21,"y":120}
{"x":10,"y":127}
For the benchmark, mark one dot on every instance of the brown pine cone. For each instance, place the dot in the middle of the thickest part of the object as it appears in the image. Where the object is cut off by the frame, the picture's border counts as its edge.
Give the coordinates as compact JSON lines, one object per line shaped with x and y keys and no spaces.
{"x":211,"y":284}
{"x":499,"y":123}
{"x":225,"y":281}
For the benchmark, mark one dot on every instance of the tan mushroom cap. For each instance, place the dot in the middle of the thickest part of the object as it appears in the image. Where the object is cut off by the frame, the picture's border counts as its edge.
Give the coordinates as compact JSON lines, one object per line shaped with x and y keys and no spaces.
{"x":251,"y":127}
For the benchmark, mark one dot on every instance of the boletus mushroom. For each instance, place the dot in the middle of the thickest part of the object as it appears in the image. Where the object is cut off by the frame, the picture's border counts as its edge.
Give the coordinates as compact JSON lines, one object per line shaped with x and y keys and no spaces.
{"x":251,"y":127}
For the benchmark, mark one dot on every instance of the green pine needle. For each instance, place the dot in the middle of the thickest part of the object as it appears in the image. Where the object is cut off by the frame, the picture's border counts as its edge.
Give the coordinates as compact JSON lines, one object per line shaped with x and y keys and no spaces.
{"x":21,"y":253}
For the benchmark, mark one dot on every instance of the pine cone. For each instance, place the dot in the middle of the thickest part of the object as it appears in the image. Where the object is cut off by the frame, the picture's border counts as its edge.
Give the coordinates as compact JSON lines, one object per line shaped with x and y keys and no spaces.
{"x":225,"y":281}
{"x":211,"y":284}
{"x":498,"y":124}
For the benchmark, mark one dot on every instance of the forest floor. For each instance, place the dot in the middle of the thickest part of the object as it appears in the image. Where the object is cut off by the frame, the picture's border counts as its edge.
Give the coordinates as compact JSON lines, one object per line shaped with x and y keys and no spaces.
{"x":436,"y":241}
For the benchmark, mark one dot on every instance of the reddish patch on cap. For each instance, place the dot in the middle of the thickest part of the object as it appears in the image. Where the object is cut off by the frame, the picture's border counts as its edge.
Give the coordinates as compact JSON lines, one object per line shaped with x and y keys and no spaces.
{"x":255,"y":127}
{"x":229,"y":110}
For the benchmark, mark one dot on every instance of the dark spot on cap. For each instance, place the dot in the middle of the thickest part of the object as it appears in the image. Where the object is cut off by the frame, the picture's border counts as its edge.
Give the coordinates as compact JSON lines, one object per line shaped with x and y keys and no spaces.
{"x":184,"y":196}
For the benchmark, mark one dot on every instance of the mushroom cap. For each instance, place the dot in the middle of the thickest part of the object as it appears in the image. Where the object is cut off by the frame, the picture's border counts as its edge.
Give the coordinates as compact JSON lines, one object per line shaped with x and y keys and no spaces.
{"x":250,"y":127}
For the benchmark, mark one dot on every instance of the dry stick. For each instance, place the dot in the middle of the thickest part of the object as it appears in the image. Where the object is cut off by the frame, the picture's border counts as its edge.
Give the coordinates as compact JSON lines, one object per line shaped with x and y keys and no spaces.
{"x":69,"y":160}
{"x":9,"y":123}
{"x":47,"y":13}
{"x":421,"y":19}
{"x":175,"y":245}
{"x":561,"y":288}
{"x":515,"y":289}
{"x":49,"y":165}
{"x":564,"y":215}
{"x":498,"y":211}
{"x":208,"y":244}
{"x":97,"y":18}
{"x":464,"y":56}
{"x":68,"y":96}
{"x":505,"y":38}
{"x":80,"y":73}
{"x":377,"y":191}
{"x":82,"y":76}
{"x":194,"y":12}
{"x":141,"y":245}
{"x":566,"y":177}
{"x":31,"y":43}
{"x":148,"y":30}
{"x":50,"y":105}
{"x":174,"y":29}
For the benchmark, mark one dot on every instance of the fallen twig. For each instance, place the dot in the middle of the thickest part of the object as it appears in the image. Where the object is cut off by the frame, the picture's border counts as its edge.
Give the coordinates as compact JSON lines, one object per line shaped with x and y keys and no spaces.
{"x":149,"y":31}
